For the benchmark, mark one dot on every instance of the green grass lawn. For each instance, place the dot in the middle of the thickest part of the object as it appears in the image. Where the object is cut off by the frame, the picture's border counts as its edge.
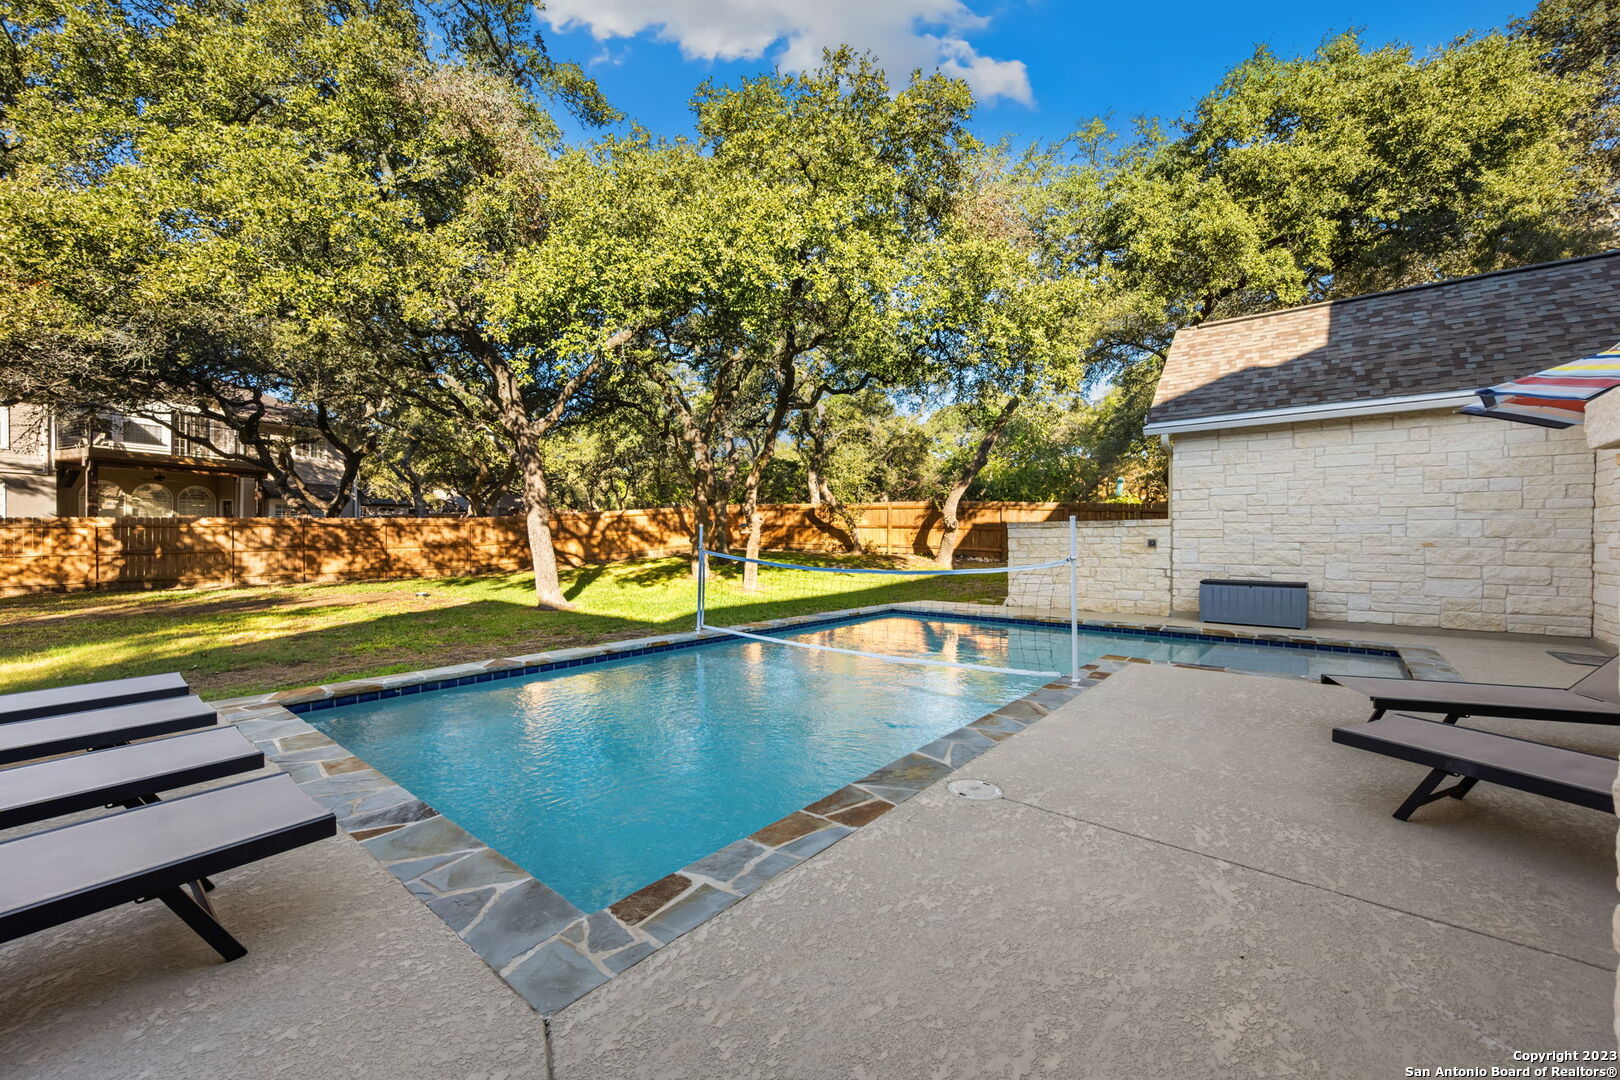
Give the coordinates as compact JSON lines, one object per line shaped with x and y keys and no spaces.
{"x":230,"y":642}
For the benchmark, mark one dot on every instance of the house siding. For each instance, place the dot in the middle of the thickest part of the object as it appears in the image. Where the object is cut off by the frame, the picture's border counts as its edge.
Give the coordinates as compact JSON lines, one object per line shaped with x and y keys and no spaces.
{"x":1417,"y":519}
{"x":25,"y":466}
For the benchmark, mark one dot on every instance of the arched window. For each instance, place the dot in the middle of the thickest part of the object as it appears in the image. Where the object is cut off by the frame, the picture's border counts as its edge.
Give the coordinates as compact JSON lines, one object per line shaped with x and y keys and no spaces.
{"x":151,"y":500}
{"x":195,"y":502}
{"x":111,"y":500}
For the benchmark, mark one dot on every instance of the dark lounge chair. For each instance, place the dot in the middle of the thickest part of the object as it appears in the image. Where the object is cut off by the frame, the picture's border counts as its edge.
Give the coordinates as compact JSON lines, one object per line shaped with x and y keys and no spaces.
{"x":127,"y":775}
{"x":33,"y":704}
{"x":28,"y":739}
{"x":1451,"y":751}
{"x":1595,"y":699}
{"x":153,"y":852}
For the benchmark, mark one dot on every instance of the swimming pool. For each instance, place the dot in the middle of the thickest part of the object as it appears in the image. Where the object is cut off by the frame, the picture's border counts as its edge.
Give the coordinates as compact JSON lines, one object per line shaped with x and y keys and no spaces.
{"x":602,"y":778}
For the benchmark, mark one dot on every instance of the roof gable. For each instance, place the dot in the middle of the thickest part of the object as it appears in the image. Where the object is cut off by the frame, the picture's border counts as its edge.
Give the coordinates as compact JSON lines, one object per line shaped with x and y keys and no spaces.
{"x":1447,"y":337}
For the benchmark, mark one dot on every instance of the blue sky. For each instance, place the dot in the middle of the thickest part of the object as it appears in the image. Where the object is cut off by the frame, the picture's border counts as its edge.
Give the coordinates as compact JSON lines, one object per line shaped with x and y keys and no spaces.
{"x":1038,"y":66}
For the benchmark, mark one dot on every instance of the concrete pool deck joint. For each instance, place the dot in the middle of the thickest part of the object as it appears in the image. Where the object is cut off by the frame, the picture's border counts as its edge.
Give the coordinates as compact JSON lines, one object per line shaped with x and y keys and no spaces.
{"x":545,"y":948}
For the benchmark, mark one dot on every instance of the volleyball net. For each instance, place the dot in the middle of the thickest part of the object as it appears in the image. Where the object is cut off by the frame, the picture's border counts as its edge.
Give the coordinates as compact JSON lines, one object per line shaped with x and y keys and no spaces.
{"x":903,"y":648}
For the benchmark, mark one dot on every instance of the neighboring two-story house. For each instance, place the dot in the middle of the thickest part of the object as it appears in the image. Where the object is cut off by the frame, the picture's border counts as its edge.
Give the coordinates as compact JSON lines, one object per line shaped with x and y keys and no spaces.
{"x":121,"y":464}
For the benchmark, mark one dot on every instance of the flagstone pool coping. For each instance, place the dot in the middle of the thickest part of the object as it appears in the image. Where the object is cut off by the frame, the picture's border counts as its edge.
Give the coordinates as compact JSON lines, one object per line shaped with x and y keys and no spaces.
{"x":549,"y":951}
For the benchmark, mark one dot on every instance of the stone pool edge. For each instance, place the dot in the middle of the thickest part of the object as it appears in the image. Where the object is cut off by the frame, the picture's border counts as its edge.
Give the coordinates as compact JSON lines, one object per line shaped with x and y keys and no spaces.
{"x":549,"y":951}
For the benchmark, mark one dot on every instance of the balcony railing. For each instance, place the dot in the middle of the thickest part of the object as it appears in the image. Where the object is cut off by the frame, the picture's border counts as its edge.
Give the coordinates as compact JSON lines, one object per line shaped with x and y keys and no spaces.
{"x":148,"y":435}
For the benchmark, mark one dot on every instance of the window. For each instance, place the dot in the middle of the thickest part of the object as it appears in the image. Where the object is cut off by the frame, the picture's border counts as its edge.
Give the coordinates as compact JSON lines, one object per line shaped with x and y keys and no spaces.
{"x":311,"y":450}
{"x":195,"y":502}
{"x":279,"y":508}
{"x":151,"y":500}
{"x":138,"y":432}
{"x":5,"y":431}
{"x":110,"y":500}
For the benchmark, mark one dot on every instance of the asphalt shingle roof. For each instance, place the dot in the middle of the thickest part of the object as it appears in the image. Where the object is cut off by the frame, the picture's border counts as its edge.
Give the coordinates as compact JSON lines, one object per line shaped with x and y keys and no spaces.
{"x":1449,"y":336}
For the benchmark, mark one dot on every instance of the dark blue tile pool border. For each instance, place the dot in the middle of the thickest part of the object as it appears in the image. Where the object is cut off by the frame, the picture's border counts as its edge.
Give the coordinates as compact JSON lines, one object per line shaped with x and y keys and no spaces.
{"x":1093,"y":629}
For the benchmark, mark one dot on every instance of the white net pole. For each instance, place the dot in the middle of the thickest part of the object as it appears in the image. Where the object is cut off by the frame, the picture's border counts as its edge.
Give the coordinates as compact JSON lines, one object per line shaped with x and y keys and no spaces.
{"x":1074,"y":600}
{"x":702,"y":575}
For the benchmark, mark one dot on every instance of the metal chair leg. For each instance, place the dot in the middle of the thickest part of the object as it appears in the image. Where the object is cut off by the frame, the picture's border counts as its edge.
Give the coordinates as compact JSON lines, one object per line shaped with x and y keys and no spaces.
{"x":203,"y":923}
{"x":1427,"y":792}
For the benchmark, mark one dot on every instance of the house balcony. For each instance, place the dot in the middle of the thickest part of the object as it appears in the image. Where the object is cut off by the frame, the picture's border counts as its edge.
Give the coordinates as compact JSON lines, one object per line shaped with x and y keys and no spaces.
{"x":175,"y":440}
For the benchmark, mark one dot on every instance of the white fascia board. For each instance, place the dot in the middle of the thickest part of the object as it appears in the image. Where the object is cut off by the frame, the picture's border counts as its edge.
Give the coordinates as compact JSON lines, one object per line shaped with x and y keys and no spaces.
{"x":1333,"y":410}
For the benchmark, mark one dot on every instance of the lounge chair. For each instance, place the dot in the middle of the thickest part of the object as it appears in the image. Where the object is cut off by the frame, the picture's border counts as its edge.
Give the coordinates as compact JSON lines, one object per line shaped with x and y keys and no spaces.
{"x":1448,"y":750}
{"x":25,"y":740}
{"x":33,"y":704}
{"x":126,"y":775}
{"x":1595,"y":699}
{"x":153,"y":852}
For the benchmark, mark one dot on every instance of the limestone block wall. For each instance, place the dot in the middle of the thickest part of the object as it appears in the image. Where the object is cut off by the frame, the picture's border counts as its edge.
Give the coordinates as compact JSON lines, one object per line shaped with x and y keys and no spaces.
{"x":1124,"y":566}
{"x":1606,"y":548}
{"x":1416,"y":519}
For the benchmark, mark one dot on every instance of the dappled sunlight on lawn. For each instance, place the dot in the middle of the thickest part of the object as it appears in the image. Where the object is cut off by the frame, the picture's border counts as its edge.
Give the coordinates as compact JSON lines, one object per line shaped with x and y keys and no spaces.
{"x":238,"y":641}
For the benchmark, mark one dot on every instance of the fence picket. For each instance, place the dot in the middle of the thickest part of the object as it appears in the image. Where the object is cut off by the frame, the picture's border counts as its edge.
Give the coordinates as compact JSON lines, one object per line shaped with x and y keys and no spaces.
{"x":65,"y":554}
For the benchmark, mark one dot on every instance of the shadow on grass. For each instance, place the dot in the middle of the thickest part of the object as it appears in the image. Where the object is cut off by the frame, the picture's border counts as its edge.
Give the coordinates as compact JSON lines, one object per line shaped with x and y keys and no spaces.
{"x":583,"y":579}
{"x":463,"y":620}
{"x":484,"y":629}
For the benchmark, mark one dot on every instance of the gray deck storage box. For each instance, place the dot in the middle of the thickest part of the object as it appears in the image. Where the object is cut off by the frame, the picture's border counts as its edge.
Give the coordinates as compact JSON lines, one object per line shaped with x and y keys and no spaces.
{"x":1253,"y":603}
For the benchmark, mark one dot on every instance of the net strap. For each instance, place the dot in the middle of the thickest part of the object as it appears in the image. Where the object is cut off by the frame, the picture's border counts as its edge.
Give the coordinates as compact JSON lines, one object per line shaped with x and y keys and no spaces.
{"x":902,"y":573}
{"x":879,"y":656}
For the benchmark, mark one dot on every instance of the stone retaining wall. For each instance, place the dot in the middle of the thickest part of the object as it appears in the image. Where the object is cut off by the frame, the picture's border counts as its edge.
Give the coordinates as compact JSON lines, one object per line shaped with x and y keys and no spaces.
{"x":1124,"y":566}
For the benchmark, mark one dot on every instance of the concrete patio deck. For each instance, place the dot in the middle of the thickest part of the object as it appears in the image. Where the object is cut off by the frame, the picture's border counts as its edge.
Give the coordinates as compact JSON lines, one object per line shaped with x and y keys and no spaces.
{"x":347,"y":976}
{"x":1184,"y":878}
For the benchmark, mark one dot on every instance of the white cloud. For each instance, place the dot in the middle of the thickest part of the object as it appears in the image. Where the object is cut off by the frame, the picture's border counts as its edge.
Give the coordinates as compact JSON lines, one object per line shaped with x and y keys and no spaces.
{"x":904,"y":34}
{"x":608,"y":57}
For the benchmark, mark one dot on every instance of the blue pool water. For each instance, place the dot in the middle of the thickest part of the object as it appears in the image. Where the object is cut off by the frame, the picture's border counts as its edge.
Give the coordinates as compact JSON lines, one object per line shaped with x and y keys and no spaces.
{"x":601,"y":779}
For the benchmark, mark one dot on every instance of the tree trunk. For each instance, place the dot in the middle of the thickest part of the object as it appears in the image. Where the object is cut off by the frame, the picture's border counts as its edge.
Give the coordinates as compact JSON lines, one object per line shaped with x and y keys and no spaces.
{"x":537,"y":519}
{"x":702,"y":521}
{"x":786,"y":387}
{"x":520,"y":430}
{"x":814,"y":448}
{"x":705,"y":473}
{"x":838,"y":512}
{"x":750,"y":513}
{"x":525,"y":432}
{"x":950,"y":525}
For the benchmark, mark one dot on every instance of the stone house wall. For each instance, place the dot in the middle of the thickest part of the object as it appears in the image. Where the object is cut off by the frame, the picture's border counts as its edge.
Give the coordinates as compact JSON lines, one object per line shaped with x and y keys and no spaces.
{"x":1124,"y":566}
{"x":1415,"y":519}
{"x":1606,"y":548}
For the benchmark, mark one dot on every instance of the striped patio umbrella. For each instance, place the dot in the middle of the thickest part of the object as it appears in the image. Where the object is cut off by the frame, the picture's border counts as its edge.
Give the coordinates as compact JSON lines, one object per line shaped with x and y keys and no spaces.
{"x":1554,"y":398}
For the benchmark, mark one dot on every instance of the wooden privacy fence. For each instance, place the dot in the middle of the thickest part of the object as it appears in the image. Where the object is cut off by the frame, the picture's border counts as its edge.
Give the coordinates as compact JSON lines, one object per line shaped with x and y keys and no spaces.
{"x":53,"y":554}
{"x":914,"y":528}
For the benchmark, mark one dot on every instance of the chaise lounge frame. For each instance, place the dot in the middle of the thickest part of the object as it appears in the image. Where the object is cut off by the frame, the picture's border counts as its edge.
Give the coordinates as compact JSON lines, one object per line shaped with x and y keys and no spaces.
{"x":1474,"y":756}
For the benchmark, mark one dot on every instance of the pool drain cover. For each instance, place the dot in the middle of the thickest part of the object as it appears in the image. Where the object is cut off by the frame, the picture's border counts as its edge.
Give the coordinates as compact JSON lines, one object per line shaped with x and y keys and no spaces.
{"x":974,"y":789}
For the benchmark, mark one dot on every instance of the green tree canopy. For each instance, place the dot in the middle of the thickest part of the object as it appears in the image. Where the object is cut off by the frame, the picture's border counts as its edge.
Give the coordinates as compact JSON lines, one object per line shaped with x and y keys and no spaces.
{"x":1347,"y":171}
